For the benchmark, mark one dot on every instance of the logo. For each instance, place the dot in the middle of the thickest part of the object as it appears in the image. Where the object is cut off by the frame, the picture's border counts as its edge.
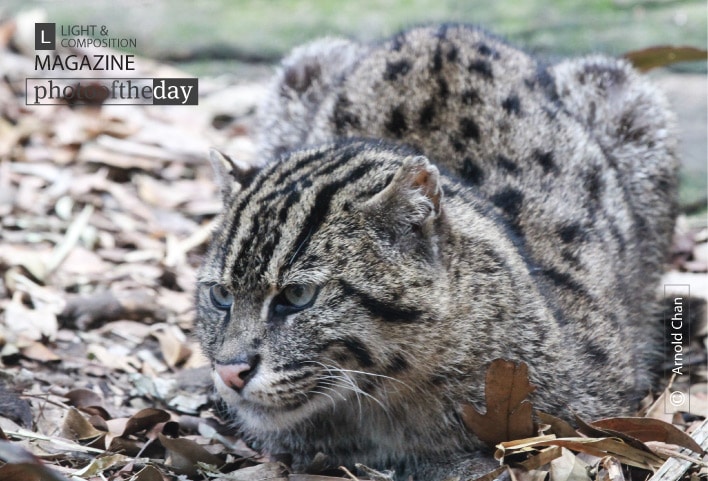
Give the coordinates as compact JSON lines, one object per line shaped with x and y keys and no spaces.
{"x":45,"y":36}
{"x":99,"y":88}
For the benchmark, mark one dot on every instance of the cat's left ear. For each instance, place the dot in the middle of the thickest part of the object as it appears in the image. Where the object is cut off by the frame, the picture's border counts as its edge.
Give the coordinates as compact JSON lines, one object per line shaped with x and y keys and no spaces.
{"x":231,"y":175}
{"x":412,"y":198}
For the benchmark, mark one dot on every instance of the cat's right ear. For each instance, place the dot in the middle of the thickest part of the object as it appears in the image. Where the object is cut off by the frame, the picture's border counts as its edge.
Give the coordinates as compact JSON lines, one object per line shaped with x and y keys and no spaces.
{"x":412,"y":198}
{"x":231,"y":175}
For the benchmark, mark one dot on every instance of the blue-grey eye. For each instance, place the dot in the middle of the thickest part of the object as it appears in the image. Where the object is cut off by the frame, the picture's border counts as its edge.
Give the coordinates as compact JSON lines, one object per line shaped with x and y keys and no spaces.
{"x":221,"y":297}
{"x":299,"y":295}
{"x":294,"y":298}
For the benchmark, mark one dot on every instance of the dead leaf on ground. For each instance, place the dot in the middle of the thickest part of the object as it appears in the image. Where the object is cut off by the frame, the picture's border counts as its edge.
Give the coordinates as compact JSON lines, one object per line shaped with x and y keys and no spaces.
{"x":148,"y":473}
{"x":568,"y":467}
{"x":39,"y":352}
{"x":88,"y":402}
{"x":557,"y":426}
{"x":508,"y":415}
{"x":145,"y":419}
{"x":77,"y":428}
{"x":102,"y":463}
{"x":647,"y":429}
{"x":599,"y":447}
{"x":173,"y":345}
{"x":184,"y":455}
{"x":611,"y":470}
{"x":23,"y":466}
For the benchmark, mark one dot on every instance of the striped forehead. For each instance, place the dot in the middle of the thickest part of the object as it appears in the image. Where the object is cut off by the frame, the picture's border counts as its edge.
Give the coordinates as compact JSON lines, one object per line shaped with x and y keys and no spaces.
{"x":271,"y":222}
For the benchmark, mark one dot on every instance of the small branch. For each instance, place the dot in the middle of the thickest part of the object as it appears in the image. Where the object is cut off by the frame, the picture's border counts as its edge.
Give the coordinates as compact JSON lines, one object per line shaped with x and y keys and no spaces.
{"x":73,"y":234}
{"x":673,"y":469}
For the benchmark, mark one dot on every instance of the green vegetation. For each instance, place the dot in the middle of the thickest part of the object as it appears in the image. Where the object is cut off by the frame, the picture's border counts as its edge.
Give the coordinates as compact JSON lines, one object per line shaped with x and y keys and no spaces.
{"x":242,"y":30}
{"x":272,"y":27}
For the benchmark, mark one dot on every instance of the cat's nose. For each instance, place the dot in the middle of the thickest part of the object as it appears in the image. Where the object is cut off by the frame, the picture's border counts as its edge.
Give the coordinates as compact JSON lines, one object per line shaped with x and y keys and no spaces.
{"x":237,"y":373}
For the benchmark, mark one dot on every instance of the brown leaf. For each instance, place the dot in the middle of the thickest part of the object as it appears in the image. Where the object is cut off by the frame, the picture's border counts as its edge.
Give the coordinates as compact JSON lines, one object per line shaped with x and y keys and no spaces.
{"x":129,"y":447}
{"x":663,"y":55}
{"x":88,"y":402}
{"x":28,"y":472}
{"x":508,"y":414}
{"x":558,"y":426}
{"x":145,"y":419}
{"x":39,"y":352}
{"x":23,"y":466}
{"x":148,"y":473}
{"x":598,"y":447}
{"x":648,"y":429}
{"x":593,"y":431}
{"x":77,"y":428}
{"x":184,"y":454}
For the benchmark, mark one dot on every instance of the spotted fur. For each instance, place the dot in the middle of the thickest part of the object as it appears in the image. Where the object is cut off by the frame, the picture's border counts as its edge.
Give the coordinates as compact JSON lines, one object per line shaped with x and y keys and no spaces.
{"x":453,"y":200}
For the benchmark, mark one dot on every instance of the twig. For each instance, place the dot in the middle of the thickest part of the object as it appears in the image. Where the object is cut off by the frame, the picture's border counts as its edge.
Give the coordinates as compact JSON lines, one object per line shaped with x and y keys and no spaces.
{"x":673,"y":469}
{"x":61,"y":443}
{"x":177,"y":250}
{"x":349,"y":473}
{"x":73,"y":233}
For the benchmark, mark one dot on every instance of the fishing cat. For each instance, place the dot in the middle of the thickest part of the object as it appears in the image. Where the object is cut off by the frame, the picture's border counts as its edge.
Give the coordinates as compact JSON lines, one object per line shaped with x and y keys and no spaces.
{"x":430,"y":203}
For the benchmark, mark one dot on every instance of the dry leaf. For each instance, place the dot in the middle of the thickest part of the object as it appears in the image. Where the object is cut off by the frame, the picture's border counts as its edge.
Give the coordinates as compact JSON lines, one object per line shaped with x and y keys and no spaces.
{"x":172,"y":345}
{"x":647,"y":429}
{"x":145,"y":419}
{"x":102,"y":463}
{"x":129,"y":447}
{"x":184,"y":455}
{"x":77,"y":428}
{"x":30,"y":324}
{"x":88,"y":402}
{"x":148,"y":473}
{"x":113,"y":359}
{"x":508,"y":414}
{"x":543,"y":457}
{"x":599,"y":447}
{"x":568,"y":467}
{"x":39,"y":352}
{"x":611,"y":470}
{"x":557,"y":426}
{"x":596,"y":432}
{"x":29,"y":472}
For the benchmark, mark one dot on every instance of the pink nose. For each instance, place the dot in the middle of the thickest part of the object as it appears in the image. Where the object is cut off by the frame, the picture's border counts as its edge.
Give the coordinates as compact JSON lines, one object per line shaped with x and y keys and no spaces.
{"x":235,"y":375}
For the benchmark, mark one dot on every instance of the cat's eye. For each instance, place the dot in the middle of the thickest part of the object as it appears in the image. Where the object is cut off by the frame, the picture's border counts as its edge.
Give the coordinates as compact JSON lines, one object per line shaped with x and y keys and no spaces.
{"x":221,"y":297}
{"x":299,"y":295}
{"x":295,"y":298}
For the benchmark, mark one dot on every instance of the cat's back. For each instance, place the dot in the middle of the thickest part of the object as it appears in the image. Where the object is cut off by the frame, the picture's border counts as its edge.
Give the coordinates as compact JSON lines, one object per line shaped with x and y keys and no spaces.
{"x":577,"y":157}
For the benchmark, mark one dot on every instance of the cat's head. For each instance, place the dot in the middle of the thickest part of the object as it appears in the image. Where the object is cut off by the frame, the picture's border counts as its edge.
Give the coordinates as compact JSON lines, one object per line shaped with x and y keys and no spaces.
{"x":318,"y":280}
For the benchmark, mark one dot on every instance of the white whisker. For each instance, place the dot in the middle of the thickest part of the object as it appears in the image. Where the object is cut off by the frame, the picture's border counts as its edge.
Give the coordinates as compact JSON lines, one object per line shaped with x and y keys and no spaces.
{"x":343,"y":379}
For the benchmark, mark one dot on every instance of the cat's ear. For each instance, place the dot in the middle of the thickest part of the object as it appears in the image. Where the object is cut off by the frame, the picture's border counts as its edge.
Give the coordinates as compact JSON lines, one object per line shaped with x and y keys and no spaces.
{"x":231,"y":175}
{"x":412,"y":198}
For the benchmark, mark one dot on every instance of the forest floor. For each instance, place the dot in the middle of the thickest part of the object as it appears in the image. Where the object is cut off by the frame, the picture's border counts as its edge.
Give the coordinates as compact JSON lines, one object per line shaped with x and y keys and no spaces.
{"x":104,"y":213}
